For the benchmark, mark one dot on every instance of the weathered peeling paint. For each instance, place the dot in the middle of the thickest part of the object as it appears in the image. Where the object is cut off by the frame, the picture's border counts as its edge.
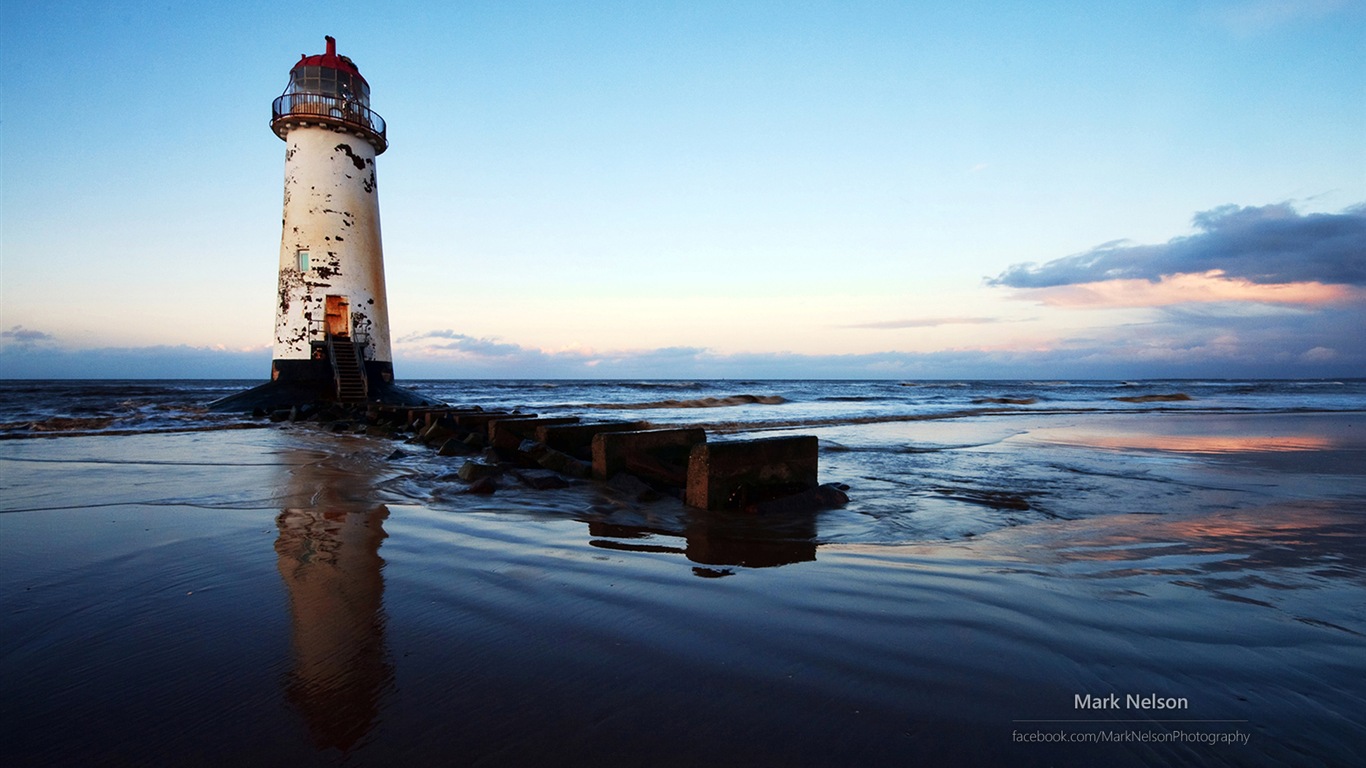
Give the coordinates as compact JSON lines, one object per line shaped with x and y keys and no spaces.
{"x":324,"y":196}
{"x":358,"y":161}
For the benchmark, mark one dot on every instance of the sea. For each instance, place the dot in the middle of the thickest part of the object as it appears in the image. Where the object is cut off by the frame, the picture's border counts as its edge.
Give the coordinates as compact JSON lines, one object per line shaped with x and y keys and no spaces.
{"x":1151,"y":572}
{"x":32,"y":407}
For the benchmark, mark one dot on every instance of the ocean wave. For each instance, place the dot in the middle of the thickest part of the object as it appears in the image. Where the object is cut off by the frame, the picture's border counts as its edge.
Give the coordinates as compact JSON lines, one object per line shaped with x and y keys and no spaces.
{"x":1009,"y":400}
{"x":1174,"y":397}
{"x":702,"y":402}
{"x":106,"y":432}
{"x":840,"y":421}
{"x":830,"y":446}
{"x":658,"y":384}
{"x":851,"y":399}
{"x":967,"y":413}
{"x":59,"y":424}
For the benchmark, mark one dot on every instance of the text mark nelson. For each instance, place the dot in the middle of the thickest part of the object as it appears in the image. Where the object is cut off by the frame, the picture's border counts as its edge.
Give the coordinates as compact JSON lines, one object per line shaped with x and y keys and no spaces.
{"x":1130,"y":701}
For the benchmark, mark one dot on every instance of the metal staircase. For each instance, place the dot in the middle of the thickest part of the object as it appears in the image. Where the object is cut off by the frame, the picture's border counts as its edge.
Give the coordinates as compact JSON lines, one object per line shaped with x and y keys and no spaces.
{"x":348,"y":369}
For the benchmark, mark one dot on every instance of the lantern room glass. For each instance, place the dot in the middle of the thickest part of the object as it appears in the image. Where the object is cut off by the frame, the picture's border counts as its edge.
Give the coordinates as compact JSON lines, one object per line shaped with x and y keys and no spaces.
{"x":326,"y":81}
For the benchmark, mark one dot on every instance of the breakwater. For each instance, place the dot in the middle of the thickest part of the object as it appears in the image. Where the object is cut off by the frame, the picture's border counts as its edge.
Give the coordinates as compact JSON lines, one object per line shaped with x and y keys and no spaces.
{"x":765,"y":476}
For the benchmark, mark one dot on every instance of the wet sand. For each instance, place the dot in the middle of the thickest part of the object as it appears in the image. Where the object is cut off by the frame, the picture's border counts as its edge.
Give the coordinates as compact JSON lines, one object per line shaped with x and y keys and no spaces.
{"x":283,"y":596}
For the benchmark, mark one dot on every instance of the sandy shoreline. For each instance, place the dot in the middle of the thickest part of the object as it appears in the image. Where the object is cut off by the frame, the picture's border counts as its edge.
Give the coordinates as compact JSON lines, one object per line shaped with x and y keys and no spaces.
{"x":285,"y":596}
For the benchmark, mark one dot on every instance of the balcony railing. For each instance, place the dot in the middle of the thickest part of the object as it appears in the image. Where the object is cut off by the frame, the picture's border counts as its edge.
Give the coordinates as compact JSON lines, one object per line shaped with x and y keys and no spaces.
{"x":317,"y":333}
{"x":294,"y":108}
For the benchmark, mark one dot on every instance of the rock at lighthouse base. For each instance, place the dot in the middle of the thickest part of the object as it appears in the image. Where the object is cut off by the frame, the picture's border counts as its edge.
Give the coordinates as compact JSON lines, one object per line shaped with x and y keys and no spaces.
{"x":277,"y":395}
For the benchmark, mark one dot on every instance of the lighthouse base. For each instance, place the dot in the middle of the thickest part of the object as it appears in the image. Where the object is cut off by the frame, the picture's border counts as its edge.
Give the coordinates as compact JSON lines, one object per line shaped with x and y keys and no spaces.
{"x":307,"y":382}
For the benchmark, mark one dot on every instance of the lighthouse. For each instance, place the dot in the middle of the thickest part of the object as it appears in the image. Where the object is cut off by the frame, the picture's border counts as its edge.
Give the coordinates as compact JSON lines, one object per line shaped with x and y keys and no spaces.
{"x":331,"y":340}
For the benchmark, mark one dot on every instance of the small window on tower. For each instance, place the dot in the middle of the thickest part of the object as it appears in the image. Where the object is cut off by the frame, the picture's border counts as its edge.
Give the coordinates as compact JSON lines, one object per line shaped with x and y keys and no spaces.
{"x":303,"y":261}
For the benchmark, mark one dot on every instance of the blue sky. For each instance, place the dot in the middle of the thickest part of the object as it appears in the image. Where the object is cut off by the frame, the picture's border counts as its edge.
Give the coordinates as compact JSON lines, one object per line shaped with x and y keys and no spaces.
{"x":730,"y":189}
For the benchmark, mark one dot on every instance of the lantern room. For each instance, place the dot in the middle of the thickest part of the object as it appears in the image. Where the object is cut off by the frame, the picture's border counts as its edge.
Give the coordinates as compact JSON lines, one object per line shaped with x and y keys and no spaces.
{"x":328,"y":90}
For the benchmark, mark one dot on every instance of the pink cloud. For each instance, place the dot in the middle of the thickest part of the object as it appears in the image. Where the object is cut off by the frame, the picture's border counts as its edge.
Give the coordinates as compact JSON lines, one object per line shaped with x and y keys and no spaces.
{"x":1206,"y":288}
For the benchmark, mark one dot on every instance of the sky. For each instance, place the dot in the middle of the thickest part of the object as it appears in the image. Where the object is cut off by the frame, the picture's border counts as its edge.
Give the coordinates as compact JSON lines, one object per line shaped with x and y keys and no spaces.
{"x":707,"y":189}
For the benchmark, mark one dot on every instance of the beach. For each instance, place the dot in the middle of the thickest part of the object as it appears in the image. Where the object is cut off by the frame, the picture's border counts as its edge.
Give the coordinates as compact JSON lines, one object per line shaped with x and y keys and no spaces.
{"x":1071,"y":580}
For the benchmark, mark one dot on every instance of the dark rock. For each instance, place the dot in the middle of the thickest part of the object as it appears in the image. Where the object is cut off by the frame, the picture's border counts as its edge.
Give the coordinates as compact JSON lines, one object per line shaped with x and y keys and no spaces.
{"x":454,"y":447}
{"x":476,"y":440}
{"x":475,"y":470}
{"x":280,"y":415}
{"x":540,"y":479}
{"x":482,"y":486}
{"x":828,"y":496}
{"x":532,"y":448}
{"x":340,"y":426}
{"x":395,"y":456}
{"x":630,"y":486}
{"x":564,"y":463}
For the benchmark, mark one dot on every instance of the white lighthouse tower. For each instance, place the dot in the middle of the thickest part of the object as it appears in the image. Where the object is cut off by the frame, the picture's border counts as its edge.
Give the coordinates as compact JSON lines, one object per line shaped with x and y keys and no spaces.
{"x":332,"y":315}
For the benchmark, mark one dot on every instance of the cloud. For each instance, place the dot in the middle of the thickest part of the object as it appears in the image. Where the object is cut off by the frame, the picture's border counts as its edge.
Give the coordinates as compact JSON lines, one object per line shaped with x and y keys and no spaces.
{"x":1281,"y":342}
{"x":448,"y":353}
{"x":20,"y":361}
{"x":22,"y":335}
{"x":1181,"y":342}
{"x":1229,"y":339}
{"x":927,"y":322}
{"x":1319,"y":355}
{"x":1268,"y":245}
{"x":1188,"y":289}
{"x":463,"y":343}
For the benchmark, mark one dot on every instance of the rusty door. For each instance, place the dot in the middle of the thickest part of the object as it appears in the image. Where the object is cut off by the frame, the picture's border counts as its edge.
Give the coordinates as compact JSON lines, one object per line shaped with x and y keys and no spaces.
{"x":338,"y":310}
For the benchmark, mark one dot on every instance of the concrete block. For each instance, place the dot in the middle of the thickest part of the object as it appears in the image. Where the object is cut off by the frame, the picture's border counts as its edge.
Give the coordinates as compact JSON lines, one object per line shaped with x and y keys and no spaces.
{"x":438,"y":433}
{"x":659,"y":454}
{"x":509,"y":432}
{"x":577,"y":439}
{"x":474,"y":470}
{"x":479,"y":422}
{"x":564,"y":464}
{"x":430,"y":416}
{"x":735,"y":474}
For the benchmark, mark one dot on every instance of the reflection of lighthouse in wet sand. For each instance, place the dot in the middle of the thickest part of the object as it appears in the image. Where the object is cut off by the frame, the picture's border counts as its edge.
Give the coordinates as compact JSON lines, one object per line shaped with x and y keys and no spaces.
{"x":328,"y":557}
{"x":331,"y":315}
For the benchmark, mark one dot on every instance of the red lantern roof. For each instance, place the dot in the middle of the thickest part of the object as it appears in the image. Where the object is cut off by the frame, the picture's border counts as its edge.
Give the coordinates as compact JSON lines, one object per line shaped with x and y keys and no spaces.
{"x":330,"y":60}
